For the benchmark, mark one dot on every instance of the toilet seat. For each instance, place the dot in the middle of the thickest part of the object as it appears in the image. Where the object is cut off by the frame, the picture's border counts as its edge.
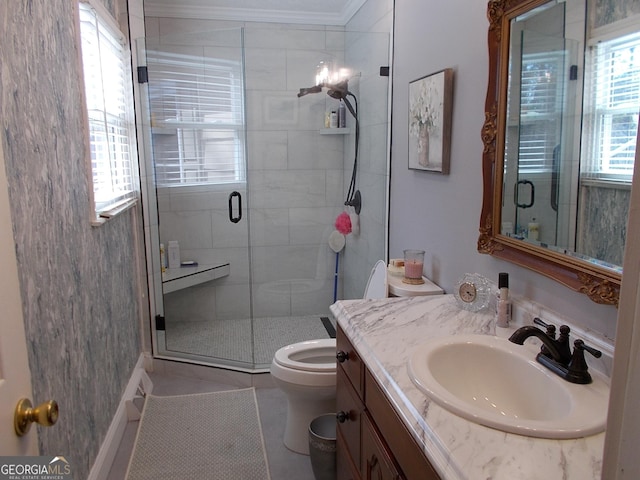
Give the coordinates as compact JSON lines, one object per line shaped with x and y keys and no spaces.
{"x":310,"y":356}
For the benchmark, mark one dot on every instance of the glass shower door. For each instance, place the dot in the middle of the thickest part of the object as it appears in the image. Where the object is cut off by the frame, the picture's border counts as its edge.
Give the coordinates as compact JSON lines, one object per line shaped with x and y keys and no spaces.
{"x":196,"y":146}
{"x":539,"y":141}
{"x":249,"y":182}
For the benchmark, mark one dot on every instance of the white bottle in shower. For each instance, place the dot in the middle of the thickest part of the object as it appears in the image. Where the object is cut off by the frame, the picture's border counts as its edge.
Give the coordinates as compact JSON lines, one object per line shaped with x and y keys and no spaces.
{"x":173,"y":257}
{"x":333,"y":123}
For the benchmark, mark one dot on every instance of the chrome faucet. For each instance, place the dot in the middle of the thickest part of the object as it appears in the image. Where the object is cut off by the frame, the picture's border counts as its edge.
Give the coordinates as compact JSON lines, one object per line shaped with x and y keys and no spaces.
{"x":555,"y":354}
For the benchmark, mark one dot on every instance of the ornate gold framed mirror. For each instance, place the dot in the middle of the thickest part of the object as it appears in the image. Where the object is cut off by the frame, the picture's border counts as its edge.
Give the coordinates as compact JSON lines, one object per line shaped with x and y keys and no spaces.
{"x":539,"y":207}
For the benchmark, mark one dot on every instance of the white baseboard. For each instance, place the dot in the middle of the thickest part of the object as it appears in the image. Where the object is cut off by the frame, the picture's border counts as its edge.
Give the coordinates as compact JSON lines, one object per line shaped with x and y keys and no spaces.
{"x":138,"y":383}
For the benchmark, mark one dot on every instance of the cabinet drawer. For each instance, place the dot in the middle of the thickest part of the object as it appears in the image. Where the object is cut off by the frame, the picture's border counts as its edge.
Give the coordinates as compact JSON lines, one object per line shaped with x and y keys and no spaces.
{"x":348,"y":402}
{"x":409,"y":456}
{"x":350,"y":361}
{"x":377,"y":462}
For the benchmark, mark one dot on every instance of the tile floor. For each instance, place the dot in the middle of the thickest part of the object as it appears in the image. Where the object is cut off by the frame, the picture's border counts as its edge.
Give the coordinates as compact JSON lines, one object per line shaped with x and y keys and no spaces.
{"x":272,"y":406}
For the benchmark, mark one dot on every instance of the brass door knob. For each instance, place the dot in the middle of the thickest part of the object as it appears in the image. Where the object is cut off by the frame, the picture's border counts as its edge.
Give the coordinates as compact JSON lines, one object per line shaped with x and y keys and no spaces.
{"x":45,"y":414}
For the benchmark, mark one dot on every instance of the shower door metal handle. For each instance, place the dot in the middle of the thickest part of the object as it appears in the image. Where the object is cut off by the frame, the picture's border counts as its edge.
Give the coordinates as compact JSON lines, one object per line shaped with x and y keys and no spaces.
{"x":231,"y":217}
{"x":516,"y":193}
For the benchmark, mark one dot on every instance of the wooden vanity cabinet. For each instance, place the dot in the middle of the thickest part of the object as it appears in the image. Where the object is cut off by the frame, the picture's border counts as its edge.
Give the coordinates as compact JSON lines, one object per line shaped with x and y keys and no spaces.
{"x":377,"y":461}
{"x":372,"y":441}
{"x":348,"y":431}
{"x":349,"y":394}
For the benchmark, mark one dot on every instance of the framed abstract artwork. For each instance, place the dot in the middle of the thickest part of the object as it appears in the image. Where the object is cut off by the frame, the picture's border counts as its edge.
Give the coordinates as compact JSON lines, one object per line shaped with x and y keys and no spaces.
{"x":430,"y":105}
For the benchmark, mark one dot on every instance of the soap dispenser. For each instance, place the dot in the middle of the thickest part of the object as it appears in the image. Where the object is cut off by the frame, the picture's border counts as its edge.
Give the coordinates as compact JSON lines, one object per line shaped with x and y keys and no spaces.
{"x":503,"y":303}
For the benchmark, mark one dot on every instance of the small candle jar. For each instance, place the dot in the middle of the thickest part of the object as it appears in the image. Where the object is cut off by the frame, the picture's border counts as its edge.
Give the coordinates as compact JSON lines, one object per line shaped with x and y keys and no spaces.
{"x":413,"y":265}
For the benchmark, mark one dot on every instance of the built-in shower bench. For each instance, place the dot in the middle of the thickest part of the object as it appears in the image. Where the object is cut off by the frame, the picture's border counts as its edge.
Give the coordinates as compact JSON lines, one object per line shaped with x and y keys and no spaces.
{"x":174,"y":279}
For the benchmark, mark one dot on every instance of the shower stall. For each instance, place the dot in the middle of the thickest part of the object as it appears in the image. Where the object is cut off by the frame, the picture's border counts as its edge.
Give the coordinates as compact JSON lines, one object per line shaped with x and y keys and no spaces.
{"x":245,"y":177}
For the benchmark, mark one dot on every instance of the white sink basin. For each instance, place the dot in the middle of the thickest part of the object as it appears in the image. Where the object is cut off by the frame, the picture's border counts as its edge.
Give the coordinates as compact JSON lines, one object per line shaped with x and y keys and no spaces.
{"x":496,"y":383}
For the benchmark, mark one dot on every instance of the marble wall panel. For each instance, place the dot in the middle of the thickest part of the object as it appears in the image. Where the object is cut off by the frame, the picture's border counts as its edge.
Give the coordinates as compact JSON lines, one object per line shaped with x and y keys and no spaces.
{"x":610,"y":11}
{"x":602,"y":230}
{"x":78,"y":282}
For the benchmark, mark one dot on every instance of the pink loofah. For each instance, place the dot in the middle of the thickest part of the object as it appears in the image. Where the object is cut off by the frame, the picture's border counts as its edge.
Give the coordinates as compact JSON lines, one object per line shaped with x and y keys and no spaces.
{"x":343,"y":223}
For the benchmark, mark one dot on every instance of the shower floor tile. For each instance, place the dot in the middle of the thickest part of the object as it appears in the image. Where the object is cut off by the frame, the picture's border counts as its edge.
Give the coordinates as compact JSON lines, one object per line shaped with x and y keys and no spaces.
{"x":234,"y":340}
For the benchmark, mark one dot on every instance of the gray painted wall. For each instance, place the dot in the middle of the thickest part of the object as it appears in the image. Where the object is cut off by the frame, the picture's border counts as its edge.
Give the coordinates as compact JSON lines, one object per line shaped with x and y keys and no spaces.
{"x":78,"y":283}
{"x":441,"y":214}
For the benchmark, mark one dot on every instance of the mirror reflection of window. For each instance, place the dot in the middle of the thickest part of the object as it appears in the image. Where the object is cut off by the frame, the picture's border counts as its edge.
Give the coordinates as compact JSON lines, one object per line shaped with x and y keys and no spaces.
{"x":612,"y":104}
{"x":610,"y":125}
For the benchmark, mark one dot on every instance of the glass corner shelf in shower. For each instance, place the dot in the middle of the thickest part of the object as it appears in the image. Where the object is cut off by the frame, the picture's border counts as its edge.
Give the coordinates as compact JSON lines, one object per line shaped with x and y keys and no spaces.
{"x":174,"y":279}
{"x":335,"y":131}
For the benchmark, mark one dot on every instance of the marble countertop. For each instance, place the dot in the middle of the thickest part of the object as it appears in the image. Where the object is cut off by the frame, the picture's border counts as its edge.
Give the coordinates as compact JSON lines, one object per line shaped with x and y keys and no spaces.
{"x":385,"y":333}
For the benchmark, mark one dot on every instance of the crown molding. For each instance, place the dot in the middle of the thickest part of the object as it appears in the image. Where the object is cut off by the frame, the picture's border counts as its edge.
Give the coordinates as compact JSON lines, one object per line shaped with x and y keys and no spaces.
{"x":202,"y":10}
{"x":351,"y":8}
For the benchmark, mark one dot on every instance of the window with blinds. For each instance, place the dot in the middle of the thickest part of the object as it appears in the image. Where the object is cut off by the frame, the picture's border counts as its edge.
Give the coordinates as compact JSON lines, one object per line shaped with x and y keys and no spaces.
{"x":197,"y":118}
{"x":541,"y":98}
{"x":612,"y":103}
{"x":107,"y":77}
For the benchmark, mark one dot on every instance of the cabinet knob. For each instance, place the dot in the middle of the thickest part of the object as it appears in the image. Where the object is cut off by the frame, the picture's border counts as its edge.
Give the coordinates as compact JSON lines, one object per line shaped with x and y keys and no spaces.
{"x":342,"y":416}
{"x":342,"y":356}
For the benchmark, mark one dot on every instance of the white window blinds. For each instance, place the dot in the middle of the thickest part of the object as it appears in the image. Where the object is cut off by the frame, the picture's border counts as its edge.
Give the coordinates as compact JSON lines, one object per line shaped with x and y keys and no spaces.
{"x":612,"y":102}
{"x":107,"y":76}
{"x":541,"y":103}
{"x":197,"y":118}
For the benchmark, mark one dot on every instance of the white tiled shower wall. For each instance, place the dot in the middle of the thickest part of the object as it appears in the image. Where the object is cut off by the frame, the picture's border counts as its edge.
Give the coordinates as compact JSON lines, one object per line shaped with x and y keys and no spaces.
{"x":297,"y":177}
{"x":295,"y":182}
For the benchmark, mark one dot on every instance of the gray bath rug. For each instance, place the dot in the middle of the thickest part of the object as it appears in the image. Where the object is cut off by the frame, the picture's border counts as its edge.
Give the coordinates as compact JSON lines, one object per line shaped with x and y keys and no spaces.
{"x":216,"y":436}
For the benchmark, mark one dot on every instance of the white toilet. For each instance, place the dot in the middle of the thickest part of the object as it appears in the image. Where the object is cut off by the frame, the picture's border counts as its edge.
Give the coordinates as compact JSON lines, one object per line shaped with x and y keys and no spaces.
{"x":306,"y":373}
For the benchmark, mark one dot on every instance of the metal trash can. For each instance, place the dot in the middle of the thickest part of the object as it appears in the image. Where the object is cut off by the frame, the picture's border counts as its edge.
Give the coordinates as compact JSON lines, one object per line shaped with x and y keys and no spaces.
{"x":322,"y":446}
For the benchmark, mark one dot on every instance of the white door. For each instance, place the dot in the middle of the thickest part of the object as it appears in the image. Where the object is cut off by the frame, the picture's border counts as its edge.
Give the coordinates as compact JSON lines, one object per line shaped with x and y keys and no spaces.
{"x":15,"y":377}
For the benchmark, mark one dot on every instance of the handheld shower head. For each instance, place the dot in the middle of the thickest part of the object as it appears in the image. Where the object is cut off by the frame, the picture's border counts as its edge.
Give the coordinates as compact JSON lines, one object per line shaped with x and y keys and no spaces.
{"x":306,"y":91}
{"x":338,"y":90}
